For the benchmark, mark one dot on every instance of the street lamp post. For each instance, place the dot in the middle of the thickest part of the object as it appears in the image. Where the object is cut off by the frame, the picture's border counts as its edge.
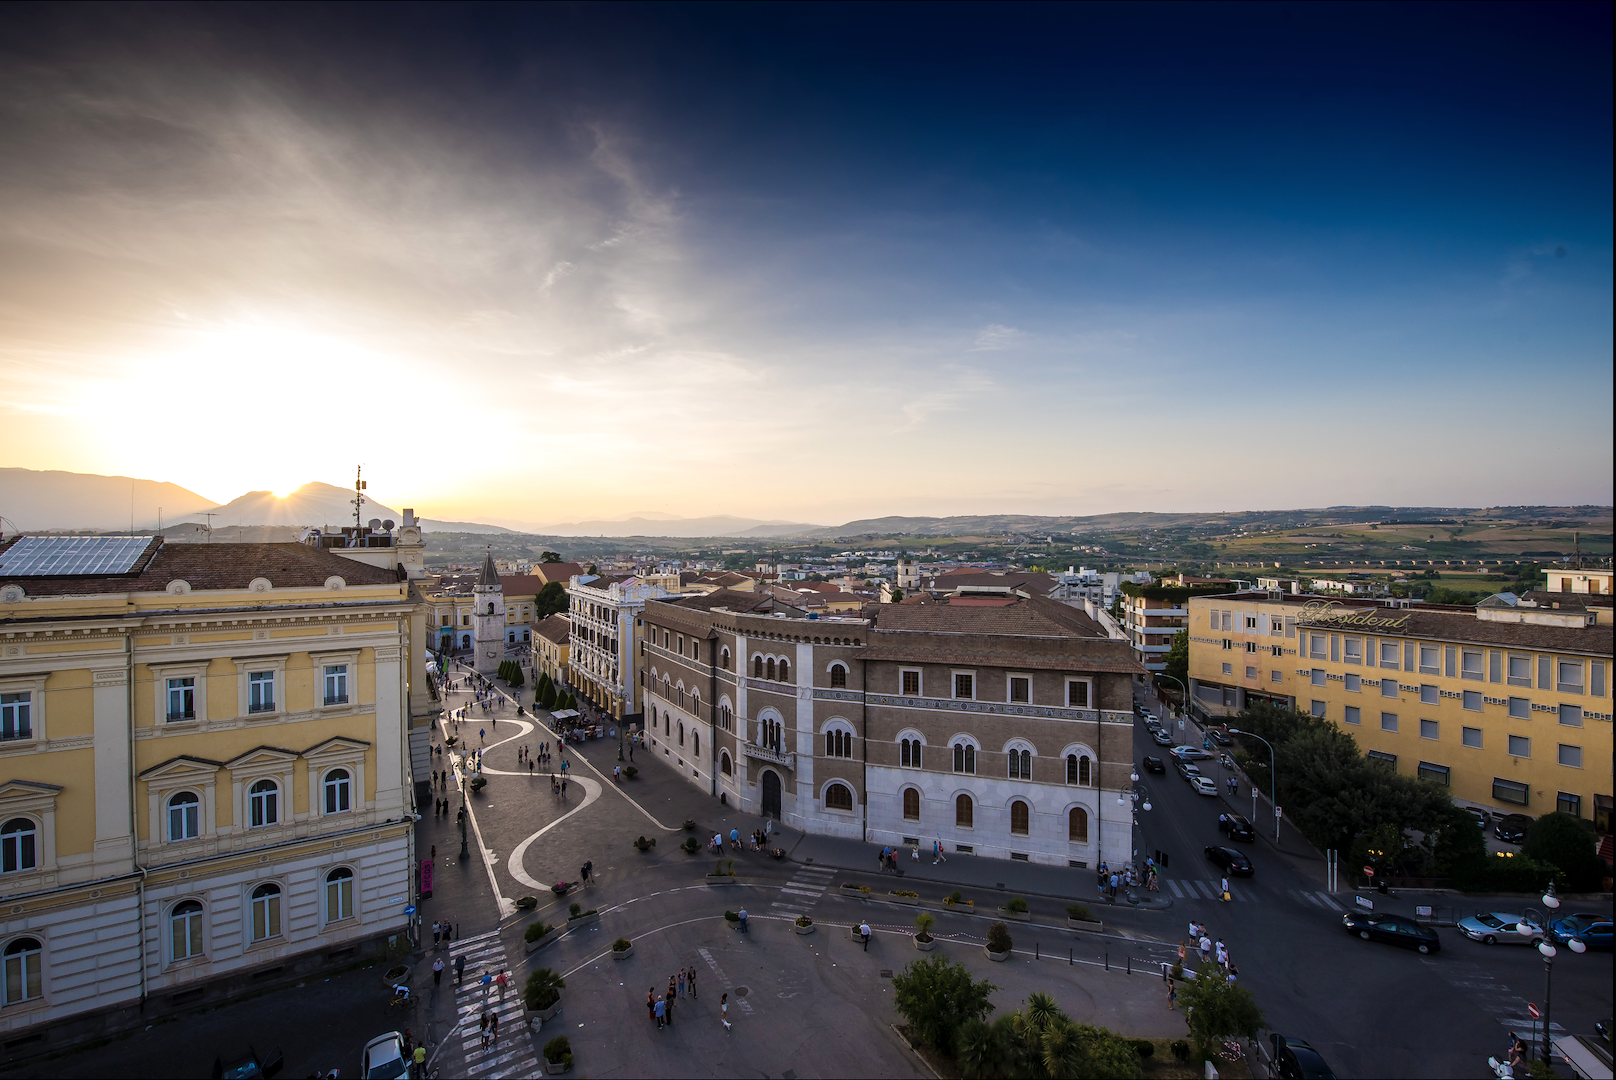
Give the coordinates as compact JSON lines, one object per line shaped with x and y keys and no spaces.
{"x":1525,"y":928}
{"x":1273,"y":770}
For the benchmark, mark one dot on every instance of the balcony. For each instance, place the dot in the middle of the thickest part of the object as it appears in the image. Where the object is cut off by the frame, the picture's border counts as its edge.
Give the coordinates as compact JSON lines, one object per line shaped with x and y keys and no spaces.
{"x":763,"y":753}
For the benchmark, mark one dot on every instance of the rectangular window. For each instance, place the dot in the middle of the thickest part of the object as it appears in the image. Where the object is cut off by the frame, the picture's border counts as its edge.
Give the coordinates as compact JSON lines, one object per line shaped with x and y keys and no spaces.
{"x":1276,"y":650}
{"x":1318,"y":709}
{"x":1354,"y":683}
{"x":1335,"y":648}
{"x":963,"y":686}
{"x":1430,"y":660}
{"x":1430,"y":729}
{"x":1251,"y":623}
{"x":1470,"y":736}
{"x":1571,"y":755}
{"x":261,"y":691}
{"x":1520,"y":746}
{"x":1318,"y":678}
{"x":1388,"y":688}
{"x":911,"y":682}
{"x":1596,"y":681}
{"x":1228,"y":669}
{"x":1251,"y":673}
{"x":1077,"y":694}
{"x":1388,"y":721}
{"x":1228,"y":643}
{"x":1228,"y":620}
{"x":1430,"y":695}
{"x":1570,"y":681}
{"x":1472,"y":700}
{"x":1510,"y":791}
{"x":16,"y":715}
{"x":1408,"y":656}
{"x":1495,"y":666}
{"x":1571,"y":715}
{"x":1318,"y":646}
{"x":1471,"y":666}
{"x":1382,"y":757}
{"x":1274,"y":676}
{"x":1020,"y":690}
{"x":1520,"y":671}
{"x":1520,"y":708}
{"x":1388,"y":655}
{"x":1451,"y":661}
{"x":1276,"y":627}
{"x":1352,"y":650}
{"x":1437,"y":774}
{"x":1251,"y":646}
{"x":1545,"y":673}
{"x":1353,"y":715}
{"x":336,"y":684}
{"x":1568,"y":803}
{"x":182,"y":699}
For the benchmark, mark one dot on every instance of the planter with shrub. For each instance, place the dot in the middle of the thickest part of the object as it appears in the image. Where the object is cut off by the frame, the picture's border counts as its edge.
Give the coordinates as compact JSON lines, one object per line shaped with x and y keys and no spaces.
{"x":923,"y":924}
{"x":904,"y":896}
{"x":690,"y":846}
{"x":1017,"y":909}
{"x":541,"y":995}
{"x":957,"y":899}
{"x":477,"y":784}
{"x":527,"y":903}
{"x":622,"y":949}
{"x":999,"y":942}
{"x":804,"y":925}
{"x":557,"y":1055}
{"x":690,"y":824}
{"x":645,"y":845}
{"x":576,"y":913}
{"x":1079,"y":917}
{"x":631,"y":771}
{"x":538,"y":935}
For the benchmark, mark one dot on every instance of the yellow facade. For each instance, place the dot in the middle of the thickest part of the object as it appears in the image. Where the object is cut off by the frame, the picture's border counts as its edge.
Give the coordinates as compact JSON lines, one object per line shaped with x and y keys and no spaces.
{"x":1509,"y":708}
{"x":218,"y":740}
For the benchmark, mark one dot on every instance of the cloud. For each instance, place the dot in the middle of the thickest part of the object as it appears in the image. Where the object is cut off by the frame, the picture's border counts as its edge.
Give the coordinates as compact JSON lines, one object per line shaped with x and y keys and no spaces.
{"x":994,"y":337}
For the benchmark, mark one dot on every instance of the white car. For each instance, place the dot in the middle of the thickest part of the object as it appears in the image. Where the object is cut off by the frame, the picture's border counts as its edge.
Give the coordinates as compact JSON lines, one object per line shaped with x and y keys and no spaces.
{"x":1190,"y":753}
{"x":384,"y":1058}
{"x":1203,"y":785}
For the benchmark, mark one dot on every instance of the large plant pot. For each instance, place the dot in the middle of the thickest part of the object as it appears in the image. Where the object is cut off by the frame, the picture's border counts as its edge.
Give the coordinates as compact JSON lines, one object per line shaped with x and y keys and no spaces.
{"x":1080,"y":924}
{"x":910,"y":900}
{"x":531,"y":947}
{"x":1017,"y":916}
{"x":549,"y":1013}
{"x":625,"y":954}
{"x":996,"y":957}
{"x":555,"y":1068}
{"x":803,"y":930}
{"x":925,"y":946}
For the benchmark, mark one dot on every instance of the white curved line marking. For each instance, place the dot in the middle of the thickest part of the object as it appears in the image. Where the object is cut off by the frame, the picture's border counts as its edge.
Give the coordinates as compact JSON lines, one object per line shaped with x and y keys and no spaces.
{"x":592,"y":791}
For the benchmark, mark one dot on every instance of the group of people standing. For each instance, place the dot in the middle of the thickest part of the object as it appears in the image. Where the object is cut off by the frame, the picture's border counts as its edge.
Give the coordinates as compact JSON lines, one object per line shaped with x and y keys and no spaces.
{"x":1126,"y":877}
{"x":661,"y":1008}
{"x":1208,"y":951}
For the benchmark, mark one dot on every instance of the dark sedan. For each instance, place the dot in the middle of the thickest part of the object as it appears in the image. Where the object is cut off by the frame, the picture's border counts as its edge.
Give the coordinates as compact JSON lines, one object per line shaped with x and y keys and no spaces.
{"x":1236,"y":827}
{"x":1295,"y":1059}
{"x":1511,"y":828}
{"x":1231,"y":859}
{"x":1155,"y":764}
{"x":1392,"y":929}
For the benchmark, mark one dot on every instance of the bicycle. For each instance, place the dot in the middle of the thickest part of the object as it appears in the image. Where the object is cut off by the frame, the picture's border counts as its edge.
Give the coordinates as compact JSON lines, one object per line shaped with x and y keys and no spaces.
{"x":399,"y":1002}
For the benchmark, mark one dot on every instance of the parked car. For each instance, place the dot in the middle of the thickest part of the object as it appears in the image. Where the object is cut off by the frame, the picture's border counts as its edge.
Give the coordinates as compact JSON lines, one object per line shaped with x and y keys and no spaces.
{"x":1295,"y":1059}
{"x":1236,"y":827}
{"x":1594,"y":930}
{"x":1155,"y":764}
{"x":250,"y":1066}
{"x":1188,"y":771}
{"x":1483,"y":818}
{"x":1219,"y":736}
{"x":1204,"y":785}
{"x":1511,"y":828}
{"x":1191,"y":753}
{"x":1152,"y":723}
{"x":1162,"y":738}
{"x":1495,"y":927}
{"x":384,"y":1058}
{"x":1392,"y":929}
{"x":1231,"y":859}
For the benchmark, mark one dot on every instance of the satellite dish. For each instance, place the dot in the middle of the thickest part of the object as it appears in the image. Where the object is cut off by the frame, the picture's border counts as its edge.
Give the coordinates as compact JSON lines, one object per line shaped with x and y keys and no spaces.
{"x":388,"y":525}
{"x":375,"y":523}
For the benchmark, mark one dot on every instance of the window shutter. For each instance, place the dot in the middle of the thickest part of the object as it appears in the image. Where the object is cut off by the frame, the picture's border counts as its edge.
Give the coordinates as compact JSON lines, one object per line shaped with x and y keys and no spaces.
{"x":1290,"y":626}
{"x":1596,"y":678}
{"x":1545,"y":673}
{"x":1450,"y":661}
{"x":1335,"y":648}
{"x":1495,"y":666}
{"x":1410,"y":660}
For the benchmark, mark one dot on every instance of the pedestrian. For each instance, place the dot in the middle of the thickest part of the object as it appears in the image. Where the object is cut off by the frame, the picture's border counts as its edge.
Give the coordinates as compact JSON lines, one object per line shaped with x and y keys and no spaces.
{"x":661,"y":1010}
{"x":1113,"y":887}
{"x":437,"y":932}
{"x":936,"y":852}
{"x":864,"y":932}
{"x":1172,"y":995}
{"x":503,"y":982}
{"x":735,"y":839}
{"x":670,"y":1006}
{"x":650,"y":1004}
{"x":418,"y":1061}
{"x":723,"y":1011}
{"x":1206,"y":947}
{"x":681,"y":984}
{"x":482,"y":1027}
{"x":692,"y":982}
{"x":460,"y":969}
{"x":493,"y":1029}
{"x":437,"y":972}
{"x":1182,"y":952}
{"x":1225,"y":889}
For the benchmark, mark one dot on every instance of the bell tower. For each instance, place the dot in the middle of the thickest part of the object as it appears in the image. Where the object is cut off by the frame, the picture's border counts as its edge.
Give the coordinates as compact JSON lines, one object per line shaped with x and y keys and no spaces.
{"x":488,"y":619}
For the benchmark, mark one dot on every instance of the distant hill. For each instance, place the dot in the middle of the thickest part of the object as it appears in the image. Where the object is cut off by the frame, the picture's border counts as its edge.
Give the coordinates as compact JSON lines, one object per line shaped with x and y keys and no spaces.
{"x":36,"y":500}
{"x":323,"y":504}
{"x":719,"y":525}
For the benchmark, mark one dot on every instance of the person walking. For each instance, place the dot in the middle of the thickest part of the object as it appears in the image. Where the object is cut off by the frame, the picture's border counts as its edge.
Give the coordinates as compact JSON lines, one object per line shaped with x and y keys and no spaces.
{"x":460,"y":969}
{"x":1206,"y":947}
{"x":681,"y":984}
{"x":503,"y":982}
{"x":437,"y":933}
{"x":493,"y":1031}
{"x":670,"y":1004}
{"x":1224,"y":886}
{"x":661,"y":1009}
{"x":864,"y":932}
{"x":723,"y":1011}
{"x":482,"y":1027}
{"x":1172,"y":995}
{"x":437,"y":972}
{"x":692,"y":982}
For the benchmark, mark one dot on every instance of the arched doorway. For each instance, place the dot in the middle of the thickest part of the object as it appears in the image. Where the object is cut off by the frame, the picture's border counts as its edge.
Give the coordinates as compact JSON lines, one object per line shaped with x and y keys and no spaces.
{"x":771,"y":794}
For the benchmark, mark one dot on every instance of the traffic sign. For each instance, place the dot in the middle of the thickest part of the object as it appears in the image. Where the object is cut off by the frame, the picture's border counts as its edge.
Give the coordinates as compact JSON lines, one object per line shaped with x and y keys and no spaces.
{"x":1369,"y":871}
{"x":410,"y":910}
{"x":1279,"y":811}
{"x":1532,"y":1010}
{"x":1365,"y":903}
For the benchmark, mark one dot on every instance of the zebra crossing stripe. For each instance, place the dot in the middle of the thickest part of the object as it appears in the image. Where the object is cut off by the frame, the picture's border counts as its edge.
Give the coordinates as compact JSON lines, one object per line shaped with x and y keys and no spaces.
{"x":472,"y":1069}
{"x":1205,"y":888}
{"x":1331,"y":904}
{"x":802,"y":892}
{"x":1171,"y":884}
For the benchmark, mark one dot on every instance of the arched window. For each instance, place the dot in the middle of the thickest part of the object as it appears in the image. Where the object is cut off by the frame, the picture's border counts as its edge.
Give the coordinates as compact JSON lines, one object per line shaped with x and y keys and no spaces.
{"x":964,"y":758}
{"x":185,"y":930}
{"x":726,"y":718}
{"x":184,"y":816}
{"x":263,"y":803}
{"x":1020,"y":764}
{"x":24,"y":972}
{"x":667,"y":723}
{"x":1078,"y":770}
{"x":964,"y":812}
{"x":266,"y":912}
{"x":785,"y":671}
{"x":838,"y":743}
{"x":339,"y":894}
{"x":757,"y":667}
{"x":726,"y":659}
{"x":838,"y":675}
{"x":1018,"y":818}
{"x":724,"y":765}
{"x":1077,"y":825}
{"x":768,"y":668}
{"x":695,"y":738}
{"x":839,"y":797}
{"x":19,"y":845}
{"x":338,"y":791}
{"x":490,"y":609}
{"x":911,"y":804}
{"x":681,"y":733}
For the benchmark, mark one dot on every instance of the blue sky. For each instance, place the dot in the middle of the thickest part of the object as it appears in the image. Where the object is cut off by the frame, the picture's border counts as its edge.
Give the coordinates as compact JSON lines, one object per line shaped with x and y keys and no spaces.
{"x":821,"y":262}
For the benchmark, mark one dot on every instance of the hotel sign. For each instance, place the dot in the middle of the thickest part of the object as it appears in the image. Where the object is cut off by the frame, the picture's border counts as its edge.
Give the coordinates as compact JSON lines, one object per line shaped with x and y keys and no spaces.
{"x":1335,"y":614}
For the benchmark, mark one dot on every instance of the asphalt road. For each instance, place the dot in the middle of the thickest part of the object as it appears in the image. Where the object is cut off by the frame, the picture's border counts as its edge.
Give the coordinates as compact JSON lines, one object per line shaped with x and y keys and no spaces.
{"x":1373,"y":1010}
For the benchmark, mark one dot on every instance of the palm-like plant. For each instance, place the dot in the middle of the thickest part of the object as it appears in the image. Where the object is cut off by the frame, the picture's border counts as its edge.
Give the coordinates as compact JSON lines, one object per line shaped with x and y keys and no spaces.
{"x":923,"y":923}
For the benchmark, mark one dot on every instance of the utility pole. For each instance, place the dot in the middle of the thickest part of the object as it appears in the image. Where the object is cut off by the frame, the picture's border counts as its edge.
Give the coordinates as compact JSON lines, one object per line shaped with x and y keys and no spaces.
{"x":359,"y":487}
{"x":209,"y":515}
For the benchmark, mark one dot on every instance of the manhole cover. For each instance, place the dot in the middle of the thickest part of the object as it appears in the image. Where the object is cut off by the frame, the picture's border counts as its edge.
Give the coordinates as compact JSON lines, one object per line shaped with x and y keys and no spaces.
{"x":886,"y":973}
{"x":742,"y":991}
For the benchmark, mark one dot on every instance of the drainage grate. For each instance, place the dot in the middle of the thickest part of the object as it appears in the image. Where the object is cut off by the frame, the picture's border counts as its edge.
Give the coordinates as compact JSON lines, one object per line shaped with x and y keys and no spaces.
{"x":886,"y":973}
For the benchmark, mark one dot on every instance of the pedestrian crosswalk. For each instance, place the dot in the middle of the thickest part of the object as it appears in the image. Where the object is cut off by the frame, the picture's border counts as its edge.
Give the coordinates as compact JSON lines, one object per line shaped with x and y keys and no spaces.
{"x":807,"y":885}
{"x":1243,"y":893}
{"x":462,"y":1052}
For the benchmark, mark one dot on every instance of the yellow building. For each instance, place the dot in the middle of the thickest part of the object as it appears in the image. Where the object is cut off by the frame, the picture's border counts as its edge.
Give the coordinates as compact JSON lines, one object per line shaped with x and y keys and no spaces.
{"x":1507,"y":704}
{"x":450,"y":610}
{"x":205,"y":768}
{"x":550,"y":647}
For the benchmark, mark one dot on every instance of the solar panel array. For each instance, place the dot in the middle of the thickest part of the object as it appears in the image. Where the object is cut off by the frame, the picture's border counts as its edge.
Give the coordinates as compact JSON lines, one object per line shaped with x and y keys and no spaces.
{"x":72,"y":556}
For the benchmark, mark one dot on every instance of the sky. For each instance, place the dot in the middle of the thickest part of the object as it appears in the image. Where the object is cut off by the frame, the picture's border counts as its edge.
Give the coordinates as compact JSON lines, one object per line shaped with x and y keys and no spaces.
{"x":535,"y":264}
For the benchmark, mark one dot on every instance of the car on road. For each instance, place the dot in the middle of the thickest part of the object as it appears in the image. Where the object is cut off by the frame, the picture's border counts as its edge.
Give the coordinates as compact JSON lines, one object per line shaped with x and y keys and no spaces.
{"x":384,"y":1058}
{"x":1231,"y":859}
{"x":1152,"y":723}
{"x":1511,"y":828}
{"x":1219,"y":736}
{"x":1483,"y":818}
{"x":1236,"y":827}
{"x":1392,"y":929}
{"x":1188,"y":771}
{"x":1498,"y":927}
{"x":1162,"y":738}
{"x":1594,"y":930}
{"x":1191,"y":753}
{"x":1295,"y":1059}
{"x":251,"y":1067}
{"x":1155,"y":764}
{"x":1203,"y":785}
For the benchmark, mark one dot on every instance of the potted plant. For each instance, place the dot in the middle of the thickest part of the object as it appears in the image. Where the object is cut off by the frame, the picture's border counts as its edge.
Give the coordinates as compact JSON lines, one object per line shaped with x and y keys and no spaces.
{"x":691,"y":845}
{"x":527,"y":903}
{"x":957,"y":899}
{"x":622,"y":949}
{"x":778,"y":853}
{"x":478,"y":782}
{"x":560,"y":888}
{"x":451,"y":740}
{"x":999,"y":942}
{"x":541,"y":995}
{"x":904,"y":896}
{"x":538,"y":935}
{"x":1016,"y":908}
{"x":690,"y":824}
{"x":630,"y":771}
{"x":557,"y":1055}
{"x":645,"y":845}
{"x":732,"y":918}
{"x":923,"y":924}
{"x":1079,"y":917}
{"x":804,"y":925}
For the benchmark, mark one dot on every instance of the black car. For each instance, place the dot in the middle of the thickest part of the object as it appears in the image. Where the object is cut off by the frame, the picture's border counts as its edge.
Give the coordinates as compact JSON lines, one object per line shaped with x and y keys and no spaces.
{"x":1236,"y":827}
{"x":1294,"y":1059}
{"x":1483,"y":817}
{"x":1231,"y":859}
{"x":250,"y":1066}
{"x":1155,"y":764}
{"x":1392,"y":929}
{"x":1219,"y":736}
{"x":1511,"y":828}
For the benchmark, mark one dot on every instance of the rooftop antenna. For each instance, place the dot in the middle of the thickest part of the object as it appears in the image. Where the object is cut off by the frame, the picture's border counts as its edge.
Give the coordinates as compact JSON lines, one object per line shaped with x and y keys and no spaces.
{"x":359,"y":486}
{"x":209,"y":514}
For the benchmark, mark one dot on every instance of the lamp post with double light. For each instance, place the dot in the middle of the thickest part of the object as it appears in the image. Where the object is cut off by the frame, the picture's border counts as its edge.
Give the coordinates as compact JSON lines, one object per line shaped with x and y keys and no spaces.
{"x":1551,"y":902}
{"x":1123,"y":798}
{"x":1273,"y":771}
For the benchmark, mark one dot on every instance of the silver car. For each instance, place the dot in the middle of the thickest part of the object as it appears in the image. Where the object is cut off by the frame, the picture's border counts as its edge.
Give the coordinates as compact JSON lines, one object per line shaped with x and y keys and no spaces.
{"x":1498,"y":928}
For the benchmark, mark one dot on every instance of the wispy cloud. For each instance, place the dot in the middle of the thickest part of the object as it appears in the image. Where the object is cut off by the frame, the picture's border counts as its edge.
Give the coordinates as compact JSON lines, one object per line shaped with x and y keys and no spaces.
{"x":996,"y":336}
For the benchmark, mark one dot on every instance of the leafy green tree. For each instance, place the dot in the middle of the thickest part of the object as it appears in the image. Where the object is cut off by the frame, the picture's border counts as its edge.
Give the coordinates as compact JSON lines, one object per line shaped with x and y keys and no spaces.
{"x":550,"y":600}
{"x":1178,"y":658}
{"x":1217,"y":1009}
{"x":938,"y":997}
{"x":1567,"y":843}
{"x":550,"y":557}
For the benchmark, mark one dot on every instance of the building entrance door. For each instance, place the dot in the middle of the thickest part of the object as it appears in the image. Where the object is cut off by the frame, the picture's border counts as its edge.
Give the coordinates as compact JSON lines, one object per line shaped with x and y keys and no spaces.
{"x":771,"y":794}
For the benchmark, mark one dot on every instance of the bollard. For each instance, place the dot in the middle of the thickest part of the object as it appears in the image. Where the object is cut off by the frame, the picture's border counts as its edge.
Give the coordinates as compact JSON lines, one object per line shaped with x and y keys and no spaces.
{"x":1035,"y":953}
{"x":1108,"y":960}
{"x":1130,"y":965}
{"x":1069,"y":953}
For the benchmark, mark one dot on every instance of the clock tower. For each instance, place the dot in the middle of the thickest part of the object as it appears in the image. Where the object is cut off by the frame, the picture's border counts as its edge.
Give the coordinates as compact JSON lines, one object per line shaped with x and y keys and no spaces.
{"x":488,"y":619}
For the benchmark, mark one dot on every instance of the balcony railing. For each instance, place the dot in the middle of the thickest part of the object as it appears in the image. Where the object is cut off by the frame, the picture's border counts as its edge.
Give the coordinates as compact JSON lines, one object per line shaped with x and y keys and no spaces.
{"x":763,"y":753}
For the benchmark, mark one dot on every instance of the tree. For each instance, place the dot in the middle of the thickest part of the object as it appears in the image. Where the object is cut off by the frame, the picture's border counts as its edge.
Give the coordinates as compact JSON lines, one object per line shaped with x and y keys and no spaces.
{"x":938,"y":998}
{"x":1567,"y":843}
{"x":1178,"y":658}
{"x":550,"y":600}
{"x":550,"y":557}
{"x":897,"y":596}
{"x":1217,"y":1009}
